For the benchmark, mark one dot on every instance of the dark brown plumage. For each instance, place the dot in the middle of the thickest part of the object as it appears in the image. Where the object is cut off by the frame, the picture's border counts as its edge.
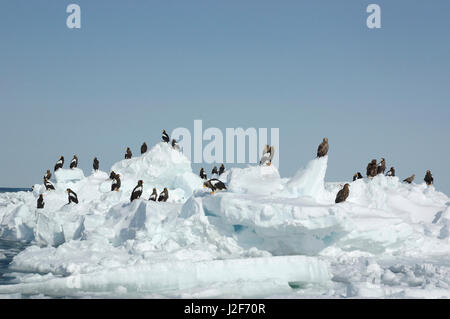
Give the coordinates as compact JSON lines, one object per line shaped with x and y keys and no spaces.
{"x":112,"y":175}
{"x":175,"y":145}
{"x":115,"y":186}
{"x":214,"y":184}
{"x":95,"y":164}
{"x":128,"y":154}
{"x":164,"y":196}
{"x":342,"y":194}
{"x":137,"y":191}
{"x":154,"y":195}
{"x":74,"y":162}
{"x":165,"y":136}
{"x":409,"y":180}
{"x":40,"y":202}
{"x":372,"y":168}
{"x":144,"y":148}
{"x":48,"y":175}
{"x":73,"y":198}
{"x":48,"y":185}
{"x":429,"y":178}
{"x":357,"y":176}
{"x":221,"y":169}
{"x":322,"y":150}
{"x":391,"y":172}
{"x":203,"y":174}
{"x":267,"y":155}
{"x":214,"y":171}
{"x":59,"y":164}
{"x":272,"y":153}
{"x":381,"y":166}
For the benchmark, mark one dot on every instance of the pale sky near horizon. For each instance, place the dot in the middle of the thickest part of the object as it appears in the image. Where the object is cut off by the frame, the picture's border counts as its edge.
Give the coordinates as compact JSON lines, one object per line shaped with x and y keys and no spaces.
{"x":310,"y":68}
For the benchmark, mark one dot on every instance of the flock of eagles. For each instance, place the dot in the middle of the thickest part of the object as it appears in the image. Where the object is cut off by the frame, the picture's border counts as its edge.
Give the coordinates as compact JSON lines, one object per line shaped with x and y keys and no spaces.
{"x":373,"y":169}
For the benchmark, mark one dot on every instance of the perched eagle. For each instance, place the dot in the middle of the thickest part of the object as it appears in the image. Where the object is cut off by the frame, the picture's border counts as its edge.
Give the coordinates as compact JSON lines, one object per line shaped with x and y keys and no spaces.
{"x":342,"y":194}
{"x":322,"y":150}
{"x":137,"y":191}
{"x":214,"y":184}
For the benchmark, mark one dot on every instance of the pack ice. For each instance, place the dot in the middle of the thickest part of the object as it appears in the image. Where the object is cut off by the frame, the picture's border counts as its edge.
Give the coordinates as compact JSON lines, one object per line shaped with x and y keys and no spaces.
{"x":266,"y":236}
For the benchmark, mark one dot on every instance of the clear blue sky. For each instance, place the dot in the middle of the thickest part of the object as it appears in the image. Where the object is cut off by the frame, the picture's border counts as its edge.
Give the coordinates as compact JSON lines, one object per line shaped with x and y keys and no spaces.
{"x":310,"y":68}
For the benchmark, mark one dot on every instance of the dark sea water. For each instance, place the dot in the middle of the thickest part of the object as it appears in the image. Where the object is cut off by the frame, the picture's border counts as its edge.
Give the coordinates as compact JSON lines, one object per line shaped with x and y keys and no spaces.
{"x":9,"y":248}
{"x":12,"y":190}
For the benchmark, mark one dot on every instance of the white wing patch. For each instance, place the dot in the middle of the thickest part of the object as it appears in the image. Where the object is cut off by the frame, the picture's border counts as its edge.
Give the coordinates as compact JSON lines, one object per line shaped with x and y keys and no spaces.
{"x":215,"y":182}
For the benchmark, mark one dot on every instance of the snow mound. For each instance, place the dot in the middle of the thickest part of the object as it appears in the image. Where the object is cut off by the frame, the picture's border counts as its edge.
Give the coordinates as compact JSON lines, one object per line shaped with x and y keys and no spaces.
{"x":125,"y":221}
{"x":262,"y":180}
{"x":309,"y":181}
{"x":160,"y":167}
{"x":64,"y":176}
